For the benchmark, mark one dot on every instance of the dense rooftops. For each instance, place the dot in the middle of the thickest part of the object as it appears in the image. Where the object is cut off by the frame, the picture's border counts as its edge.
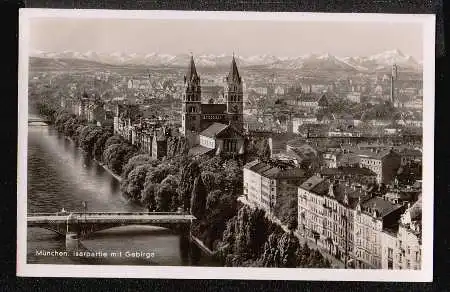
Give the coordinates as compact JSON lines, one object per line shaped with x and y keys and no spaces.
{"x":273,"y":171}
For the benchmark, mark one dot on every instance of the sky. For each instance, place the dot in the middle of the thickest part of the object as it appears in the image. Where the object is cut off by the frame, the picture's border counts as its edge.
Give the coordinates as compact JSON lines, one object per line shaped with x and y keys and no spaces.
{"x":244,"y":38}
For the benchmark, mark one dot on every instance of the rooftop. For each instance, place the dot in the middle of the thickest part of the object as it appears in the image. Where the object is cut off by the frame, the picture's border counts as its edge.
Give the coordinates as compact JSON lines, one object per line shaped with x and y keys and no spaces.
{"x":272,"y":171}
{"x":213,"y":130}
{"x":199,"y":150}
{"x":348,"y":171}
{"x":381,"y":206}
{"x":213,"y":108}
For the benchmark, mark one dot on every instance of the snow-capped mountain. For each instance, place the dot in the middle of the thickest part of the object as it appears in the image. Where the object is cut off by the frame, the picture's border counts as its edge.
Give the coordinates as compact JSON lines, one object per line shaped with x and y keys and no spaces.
{"x":310,"y":62}
{"x":384,"y":60}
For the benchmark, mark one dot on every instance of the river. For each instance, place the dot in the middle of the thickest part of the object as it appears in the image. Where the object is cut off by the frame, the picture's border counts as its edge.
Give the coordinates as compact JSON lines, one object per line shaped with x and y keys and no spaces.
{"x":62,"y":176}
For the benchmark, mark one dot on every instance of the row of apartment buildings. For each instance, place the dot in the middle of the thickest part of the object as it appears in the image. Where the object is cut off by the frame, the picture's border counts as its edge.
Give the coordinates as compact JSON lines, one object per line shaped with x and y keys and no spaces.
{"x":348,"y":220}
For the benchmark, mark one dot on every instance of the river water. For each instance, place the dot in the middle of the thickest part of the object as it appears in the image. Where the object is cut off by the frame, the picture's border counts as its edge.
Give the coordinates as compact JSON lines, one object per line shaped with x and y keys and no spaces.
{"x":62,"y":176}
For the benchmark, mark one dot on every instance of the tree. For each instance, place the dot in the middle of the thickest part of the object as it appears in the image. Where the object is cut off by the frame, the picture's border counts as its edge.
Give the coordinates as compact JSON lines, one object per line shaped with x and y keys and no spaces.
{"x":166,"y":195}
{"x":213,"y":199}
{"x":189,"y":172}
{"x":140,"y":159}
{"x":116,"y":139}
{"x":99,"y":145}
{"x":133,"y":184}
{"x":88,"y":138}
{"x":288,"y":246}
{"x":116,"y":155}
{"x":271,"y":255}
{"x":148,"y":197}
{"x":264,"y":151}
{"x":198,"y":198}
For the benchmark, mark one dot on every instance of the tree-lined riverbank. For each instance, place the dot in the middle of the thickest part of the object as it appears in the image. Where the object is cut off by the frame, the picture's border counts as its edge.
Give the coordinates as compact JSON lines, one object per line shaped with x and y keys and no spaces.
{"x":208,"y":187}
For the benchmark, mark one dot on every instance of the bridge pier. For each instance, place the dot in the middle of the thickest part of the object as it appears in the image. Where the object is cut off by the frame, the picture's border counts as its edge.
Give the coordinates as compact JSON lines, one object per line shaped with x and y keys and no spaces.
{"x":72,"y":241}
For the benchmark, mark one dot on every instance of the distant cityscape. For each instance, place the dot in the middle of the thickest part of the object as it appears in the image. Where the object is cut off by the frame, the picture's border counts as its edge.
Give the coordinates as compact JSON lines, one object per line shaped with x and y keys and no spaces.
{"x":329,"y":149}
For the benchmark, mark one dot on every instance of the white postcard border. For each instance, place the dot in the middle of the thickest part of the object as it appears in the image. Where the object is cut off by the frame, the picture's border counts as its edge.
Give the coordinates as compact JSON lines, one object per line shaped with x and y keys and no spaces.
{"x":183,"y":272}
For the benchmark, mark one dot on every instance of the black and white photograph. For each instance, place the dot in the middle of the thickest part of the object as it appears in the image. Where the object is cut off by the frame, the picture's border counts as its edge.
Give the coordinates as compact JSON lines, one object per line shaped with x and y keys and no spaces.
{"x":181,"y":144}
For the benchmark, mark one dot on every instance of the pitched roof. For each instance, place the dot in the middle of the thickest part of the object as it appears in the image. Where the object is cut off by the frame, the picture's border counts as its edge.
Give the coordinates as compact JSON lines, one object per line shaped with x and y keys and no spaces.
{"x":312,"y":182}
{"x":271,"y":171}
{"x":213,"y":108}
{"x":192,"y":71}
{"x":348,"y":171}
{"x":233,"y":75}
{"x":213,"y":130}
{"x":321,"y":187}
{"x":309,"y":97}
{"x":381,"y":206}
{"x":378,"y":155}
{"x":229,"y":132}
{"x":199,"y":150}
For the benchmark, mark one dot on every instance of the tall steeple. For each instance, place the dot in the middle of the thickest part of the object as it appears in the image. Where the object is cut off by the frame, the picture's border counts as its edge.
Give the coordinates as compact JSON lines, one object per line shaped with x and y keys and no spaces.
{"x":233,"y":94}
{"x":191,"y":74}
{"x":233,"y":75}
{"x":192,"y":98}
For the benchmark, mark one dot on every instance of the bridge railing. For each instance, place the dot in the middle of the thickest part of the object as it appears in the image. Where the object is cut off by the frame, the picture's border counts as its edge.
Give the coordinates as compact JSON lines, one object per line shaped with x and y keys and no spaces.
{"x":104,"y":213}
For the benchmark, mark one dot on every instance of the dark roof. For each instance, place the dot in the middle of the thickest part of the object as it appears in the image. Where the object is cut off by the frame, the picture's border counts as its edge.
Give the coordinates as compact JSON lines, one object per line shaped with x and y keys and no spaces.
{"x":376,"y":155}
{"x":192,"y":71}
{"x":381,"y":206}
{"x":321,"y":187}
{"x":233,"y":75}
{"x":229,"y":132}
{"x":272,"y":171}
{"x":353,"y":195}
{"x":312,"y":182}
{"x":213,"y":130}
{"x":213,"y":108}
{"x":199,"y":150}
{"x":310,"y":96}
{"x":410,"y":152}
{"x":348,"y":171}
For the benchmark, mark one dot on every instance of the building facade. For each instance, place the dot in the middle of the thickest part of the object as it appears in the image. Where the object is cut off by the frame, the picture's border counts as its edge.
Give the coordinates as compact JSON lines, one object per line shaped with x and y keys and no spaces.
{"x":196,"y":116}
{"x":265,"y":184}
{"x":384,"y":163}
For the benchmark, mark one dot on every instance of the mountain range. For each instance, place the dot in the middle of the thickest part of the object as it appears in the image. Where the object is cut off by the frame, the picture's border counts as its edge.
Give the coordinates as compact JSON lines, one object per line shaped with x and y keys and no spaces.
{"x":378,"y":62}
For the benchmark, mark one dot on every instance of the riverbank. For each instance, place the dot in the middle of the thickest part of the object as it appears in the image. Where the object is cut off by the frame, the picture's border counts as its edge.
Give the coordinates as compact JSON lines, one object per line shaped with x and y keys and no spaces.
{"x":202,"y":246}
{"x":118,"y":177}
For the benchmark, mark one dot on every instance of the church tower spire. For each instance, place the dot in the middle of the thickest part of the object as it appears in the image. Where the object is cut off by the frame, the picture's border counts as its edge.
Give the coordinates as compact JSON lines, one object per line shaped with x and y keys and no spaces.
{"x":234,"y":96}
{"x":192,"y":99}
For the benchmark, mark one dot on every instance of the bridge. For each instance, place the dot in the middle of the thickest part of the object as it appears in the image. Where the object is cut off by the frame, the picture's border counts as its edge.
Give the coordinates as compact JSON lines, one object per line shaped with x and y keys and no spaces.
{"x":84,"y":223}
{"x":39,"y":120}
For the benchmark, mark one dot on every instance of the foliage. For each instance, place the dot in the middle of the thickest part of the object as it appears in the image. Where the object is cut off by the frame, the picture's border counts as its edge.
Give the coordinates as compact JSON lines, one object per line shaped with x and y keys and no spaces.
{"x":188,"y":174}
{"x":99,"y":145}
{"x":88,"y":137}
{"x":286,"y":210}
{"x":116,"y":155}
{"x":140,"y":159}
{"x":263,"y":151}
{"x":198,"y":198}
{"x":133,"y":184}
{"x":166,"y":196}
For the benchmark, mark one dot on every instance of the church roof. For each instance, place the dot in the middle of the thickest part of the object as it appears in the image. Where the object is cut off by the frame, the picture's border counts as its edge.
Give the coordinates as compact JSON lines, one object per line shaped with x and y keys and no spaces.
{"x":213,"y":108}
{"x":213,"y":130}
{"x":199,"y":150}
{"x":233,"y":75}
{"x":192,"y":71}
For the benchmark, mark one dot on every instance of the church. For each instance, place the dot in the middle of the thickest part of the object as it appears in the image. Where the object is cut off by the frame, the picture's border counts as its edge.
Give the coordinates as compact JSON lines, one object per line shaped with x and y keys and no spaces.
{"x":213,"y":127}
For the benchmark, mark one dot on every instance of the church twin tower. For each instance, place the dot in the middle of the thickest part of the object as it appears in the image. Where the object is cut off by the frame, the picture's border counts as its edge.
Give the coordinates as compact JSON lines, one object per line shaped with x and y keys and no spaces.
{"x":197,"y":117}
